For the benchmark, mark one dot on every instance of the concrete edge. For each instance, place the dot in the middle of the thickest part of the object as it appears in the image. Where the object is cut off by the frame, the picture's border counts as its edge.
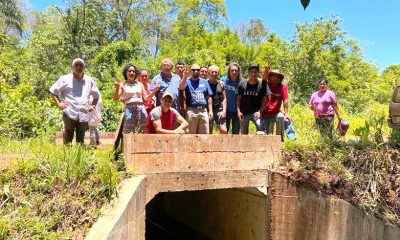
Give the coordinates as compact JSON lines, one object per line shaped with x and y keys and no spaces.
{"x":115,"y":220}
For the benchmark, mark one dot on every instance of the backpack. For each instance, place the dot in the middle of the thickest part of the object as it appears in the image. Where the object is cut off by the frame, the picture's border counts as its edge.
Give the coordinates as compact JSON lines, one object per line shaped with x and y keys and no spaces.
{"x":259,"y":86}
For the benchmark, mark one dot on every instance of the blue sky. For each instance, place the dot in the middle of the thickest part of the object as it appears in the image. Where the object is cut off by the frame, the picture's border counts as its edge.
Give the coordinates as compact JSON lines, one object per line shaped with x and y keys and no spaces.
{"x":373,"y":24}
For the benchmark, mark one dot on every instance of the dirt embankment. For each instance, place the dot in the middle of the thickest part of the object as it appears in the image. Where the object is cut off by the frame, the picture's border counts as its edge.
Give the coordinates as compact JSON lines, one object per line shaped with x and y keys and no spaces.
{"x":366,"y":176}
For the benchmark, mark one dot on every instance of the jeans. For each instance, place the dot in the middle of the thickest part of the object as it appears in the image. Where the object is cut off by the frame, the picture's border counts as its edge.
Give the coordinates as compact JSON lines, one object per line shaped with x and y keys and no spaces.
{"x":279,"y":119}
{"x":232,"y":117}
{"x":244,"y":123}
{"x":70,"y":126}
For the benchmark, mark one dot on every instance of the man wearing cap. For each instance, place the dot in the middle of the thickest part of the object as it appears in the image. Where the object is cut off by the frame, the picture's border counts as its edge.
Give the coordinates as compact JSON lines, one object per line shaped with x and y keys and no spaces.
{"x":71,"y":93}
{"x":167,"y":81}
{"x":250,"y":94}
{"x":198,"y":97}
{"x":164,"y":117}
{"x":278,"y":95}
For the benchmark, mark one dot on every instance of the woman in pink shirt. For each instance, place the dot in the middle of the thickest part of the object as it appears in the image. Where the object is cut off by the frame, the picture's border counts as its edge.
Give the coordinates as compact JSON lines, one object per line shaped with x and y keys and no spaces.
{"x":324,"y":104}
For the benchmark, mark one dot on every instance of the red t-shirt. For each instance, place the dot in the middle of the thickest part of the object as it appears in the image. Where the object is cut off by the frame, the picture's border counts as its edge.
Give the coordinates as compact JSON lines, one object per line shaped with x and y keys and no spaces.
{"x":279,"y":93}
{"x":167,"y":119}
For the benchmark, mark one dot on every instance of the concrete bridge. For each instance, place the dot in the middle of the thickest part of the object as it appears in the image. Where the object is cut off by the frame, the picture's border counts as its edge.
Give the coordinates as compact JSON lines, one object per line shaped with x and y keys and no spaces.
{"x":223,"y":187}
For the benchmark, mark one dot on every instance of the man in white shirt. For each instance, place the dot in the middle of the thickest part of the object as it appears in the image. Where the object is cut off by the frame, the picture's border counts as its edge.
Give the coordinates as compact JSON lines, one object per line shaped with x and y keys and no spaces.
{"x":71,"y":93}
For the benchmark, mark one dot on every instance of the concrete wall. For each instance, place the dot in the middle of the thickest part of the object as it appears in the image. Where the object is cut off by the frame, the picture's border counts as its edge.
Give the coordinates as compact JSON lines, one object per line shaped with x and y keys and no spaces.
{"x":125,"y":220}
{"x":239,"y":214}
{"x":159,"y":153}
{"x":188,"y":163}
{"x":288,"y":211}
{"x":175,"y":182}
{"x":298,"y":212}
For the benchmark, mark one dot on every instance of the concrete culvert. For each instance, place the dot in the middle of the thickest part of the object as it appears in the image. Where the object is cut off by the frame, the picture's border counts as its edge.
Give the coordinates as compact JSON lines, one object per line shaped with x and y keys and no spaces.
{"x":208,"y":214}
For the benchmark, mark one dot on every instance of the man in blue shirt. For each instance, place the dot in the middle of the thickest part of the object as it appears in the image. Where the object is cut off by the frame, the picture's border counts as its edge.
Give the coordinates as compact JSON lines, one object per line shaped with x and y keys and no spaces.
{"x":198,"y":97}
{"x":167,"y":81}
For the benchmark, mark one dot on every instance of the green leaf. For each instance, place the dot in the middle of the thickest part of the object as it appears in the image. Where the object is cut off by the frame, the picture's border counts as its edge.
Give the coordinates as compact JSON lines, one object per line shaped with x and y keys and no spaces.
{"x":305,"y":3}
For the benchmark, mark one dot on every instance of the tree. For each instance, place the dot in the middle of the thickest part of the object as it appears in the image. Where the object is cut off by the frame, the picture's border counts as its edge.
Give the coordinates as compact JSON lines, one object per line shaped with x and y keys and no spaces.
{"x":254,"y":32}
{"x":321,"y":50}
{"x":11,"y":17}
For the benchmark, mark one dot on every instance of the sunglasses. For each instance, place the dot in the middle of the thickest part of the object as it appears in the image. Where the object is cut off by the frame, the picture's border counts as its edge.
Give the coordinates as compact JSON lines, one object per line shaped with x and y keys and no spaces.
{"x":195,"y":70}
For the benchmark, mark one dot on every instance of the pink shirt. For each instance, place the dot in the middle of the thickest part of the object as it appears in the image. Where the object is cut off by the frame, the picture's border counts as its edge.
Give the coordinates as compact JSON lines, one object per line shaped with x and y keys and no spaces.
{"x":322,"y":103}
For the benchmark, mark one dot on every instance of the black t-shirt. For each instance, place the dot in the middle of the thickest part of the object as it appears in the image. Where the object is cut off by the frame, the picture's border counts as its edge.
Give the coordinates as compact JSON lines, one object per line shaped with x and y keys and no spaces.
{"x":252,"y":95}
{"x":217,"y":94}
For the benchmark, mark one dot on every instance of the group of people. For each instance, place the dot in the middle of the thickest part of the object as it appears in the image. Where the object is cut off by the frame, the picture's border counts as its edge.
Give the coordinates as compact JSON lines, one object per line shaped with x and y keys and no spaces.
{"x":192,"y":100}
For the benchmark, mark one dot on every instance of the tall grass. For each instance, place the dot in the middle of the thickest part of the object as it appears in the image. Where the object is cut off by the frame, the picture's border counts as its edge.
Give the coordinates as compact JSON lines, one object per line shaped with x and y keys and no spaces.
{"x":369,"y":125}
{"x":52,"y":192}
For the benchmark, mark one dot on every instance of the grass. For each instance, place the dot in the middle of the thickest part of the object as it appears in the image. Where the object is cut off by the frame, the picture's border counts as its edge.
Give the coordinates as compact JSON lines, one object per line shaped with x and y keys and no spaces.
{"x":57,"y":193}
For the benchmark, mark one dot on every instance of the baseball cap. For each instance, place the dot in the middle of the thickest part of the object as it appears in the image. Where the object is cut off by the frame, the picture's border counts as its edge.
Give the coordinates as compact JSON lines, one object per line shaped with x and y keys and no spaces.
{"x":167,"y":94}
{"x":195,"y":66}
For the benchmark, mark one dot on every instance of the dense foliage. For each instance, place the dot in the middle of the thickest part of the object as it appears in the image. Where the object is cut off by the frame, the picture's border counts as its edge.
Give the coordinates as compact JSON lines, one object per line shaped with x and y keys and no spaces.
{"x":109,"y":34}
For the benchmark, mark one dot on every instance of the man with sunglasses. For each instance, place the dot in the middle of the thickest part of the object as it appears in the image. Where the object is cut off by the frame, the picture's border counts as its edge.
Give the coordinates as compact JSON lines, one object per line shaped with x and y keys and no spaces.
{"x":164,"y":117}
{"x":198,"y":97}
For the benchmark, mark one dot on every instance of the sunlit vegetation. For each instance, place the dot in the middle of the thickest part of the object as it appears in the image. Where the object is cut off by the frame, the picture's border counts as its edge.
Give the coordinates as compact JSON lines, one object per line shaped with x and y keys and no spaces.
{"x":36,"y":50}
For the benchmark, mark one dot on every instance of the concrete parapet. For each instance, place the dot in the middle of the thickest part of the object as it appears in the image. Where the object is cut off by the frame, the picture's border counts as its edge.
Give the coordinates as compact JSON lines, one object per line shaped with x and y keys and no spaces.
{"x":175,"y":182}
{"x":126,"y":217}
{"x":200,"y":153}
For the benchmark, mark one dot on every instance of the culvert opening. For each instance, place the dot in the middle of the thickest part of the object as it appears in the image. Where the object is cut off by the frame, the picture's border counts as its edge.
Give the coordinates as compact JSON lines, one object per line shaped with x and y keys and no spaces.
{"x":240,"y":214}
